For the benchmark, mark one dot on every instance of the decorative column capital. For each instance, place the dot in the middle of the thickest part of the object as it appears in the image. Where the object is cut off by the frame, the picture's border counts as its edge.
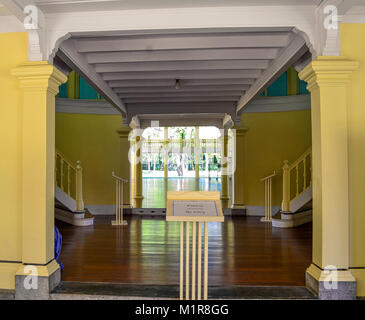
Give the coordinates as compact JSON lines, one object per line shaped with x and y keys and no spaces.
{"x":124,"y":132}
{"x":38,"y":76}
{"x":328,"y":71}
{"x":240,"y":131}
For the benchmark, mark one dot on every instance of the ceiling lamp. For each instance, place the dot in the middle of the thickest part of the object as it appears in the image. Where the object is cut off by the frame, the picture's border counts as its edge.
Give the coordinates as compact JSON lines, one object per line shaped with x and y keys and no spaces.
{"x":177,"y":84}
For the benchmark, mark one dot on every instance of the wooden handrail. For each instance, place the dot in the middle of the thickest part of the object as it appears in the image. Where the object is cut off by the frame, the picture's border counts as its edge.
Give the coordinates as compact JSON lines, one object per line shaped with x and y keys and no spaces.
{"x":268,"y":197}
{"x":72,"y":169}
{"x":119,"y":200}
{"x":268,"y":177}
{"x":119,"y":178}
{"x":287,"y":173}
{"x":300,"y":159}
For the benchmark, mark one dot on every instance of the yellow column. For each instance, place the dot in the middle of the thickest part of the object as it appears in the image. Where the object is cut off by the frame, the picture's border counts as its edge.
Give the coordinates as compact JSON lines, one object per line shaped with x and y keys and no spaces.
{"x":138,"y":197}
{"x":224,"y":170}
{"x":165,"y":161}
{"x":125,"y":165}
{"x":197,"y":157}
{"x":328,"y":78}
{"x":238,"y":169}
{"x":39,"y":82}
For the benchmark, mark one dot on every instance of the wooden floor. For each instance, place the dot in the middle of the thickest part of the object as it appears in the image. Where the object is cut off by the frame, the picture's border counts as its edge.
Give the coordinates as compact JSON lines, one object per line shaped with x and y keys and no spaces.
{"x":242,"y":251}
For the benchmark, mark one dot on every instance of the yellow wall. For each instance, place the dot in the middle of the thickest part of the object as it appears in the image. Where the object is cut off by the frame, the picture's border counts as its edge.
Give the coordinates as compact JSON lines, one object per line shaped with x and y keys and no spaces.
{"x":353,"y":47}
{"x":272,"y":138}
{"x":12,"y":53}
{"x":92,"y":139}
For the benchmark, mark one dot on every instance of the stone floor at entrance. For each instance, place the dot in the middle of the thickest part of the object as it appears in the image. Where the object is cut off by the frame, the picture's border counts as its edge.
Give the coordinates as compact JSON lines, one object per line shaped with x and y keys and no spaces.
{"x":242,"y":251}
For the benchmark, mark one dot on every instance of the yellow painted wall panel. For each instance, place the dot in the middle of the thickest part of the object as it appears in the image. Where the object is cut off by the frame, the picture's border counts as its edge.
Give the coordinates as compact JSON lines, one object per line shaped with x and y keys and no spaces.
{"x":353,"y":47}
{"x":13,"y":52}
{"x":92,"y":139}
{"x":272,"y":138}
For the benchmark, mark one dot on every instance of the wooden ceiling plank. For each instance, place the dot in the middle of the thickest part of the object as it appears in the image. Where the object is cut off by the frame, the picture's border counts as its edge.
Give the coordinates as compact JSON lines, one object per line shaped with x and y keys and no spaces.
{"x":181,"y":99}
{"x":186,"y":74}
{"x":183,"y":82}
{"x":173,"y":42}
{"x":182,"y":65}
{"x":181,"y":55}
{"x":289,"y":55}
{"x":167,"y":89}
{"x":178,"y":93}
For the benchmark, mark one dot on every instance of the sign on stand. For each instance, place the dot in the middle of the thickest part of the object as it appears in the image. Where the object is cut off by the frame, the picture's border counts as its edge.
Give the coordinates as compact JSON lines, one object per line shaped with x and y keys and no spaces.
{"x":194,"y":207}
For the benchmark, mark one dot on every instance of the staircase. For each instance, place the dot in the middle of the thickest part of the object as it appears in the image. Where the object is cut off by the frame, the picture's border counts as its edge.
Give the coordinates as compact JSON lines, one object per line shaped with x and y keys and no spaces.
{"x":69,"y":204}
{"x":296,"y":207}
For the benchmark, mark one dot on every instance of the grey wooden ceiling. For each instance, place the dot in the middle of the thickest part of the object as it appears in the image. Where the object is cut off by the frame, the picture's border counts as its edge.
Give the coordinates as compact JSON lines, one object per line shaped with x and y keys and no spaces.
{"x":138,"y":72}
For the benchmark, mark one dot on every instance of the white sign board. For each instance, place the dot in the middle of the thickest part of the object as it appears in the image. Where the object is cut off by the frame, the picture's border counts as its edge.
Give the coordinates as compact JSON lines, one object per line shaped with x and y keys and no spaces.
{"x":199,"y":206}
{"x":195,"y":208}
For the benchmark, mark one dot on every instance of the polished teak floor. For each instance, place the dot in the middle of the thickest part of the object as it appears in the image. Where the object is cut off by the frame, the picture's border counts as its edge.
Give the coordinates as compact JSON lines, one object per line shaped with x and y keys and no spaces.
{"x":242,"y":251}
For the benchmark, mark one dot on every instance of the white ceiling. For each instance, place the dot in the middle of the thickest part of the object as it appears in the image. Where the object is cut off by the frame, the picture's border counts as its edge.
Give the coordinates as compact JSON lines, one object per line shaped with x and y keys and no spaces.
{"x":52,"y":6}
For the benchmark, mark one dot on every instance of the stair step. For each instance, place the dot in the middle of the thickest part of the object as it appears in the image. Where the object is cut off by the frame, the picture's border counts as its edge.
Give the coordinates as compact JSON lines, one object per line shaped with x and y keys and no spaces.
{"x":291,"y":220}
{"x":76,"y":219}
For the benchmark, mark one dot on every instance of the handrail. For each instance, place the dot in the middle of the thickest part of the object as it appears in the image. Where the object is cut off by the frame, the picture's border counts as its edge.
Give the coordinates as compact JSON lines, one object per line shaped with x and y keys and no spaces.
{"x":268,"y":177}
{"x":65,"y":181}
{"x":119,"y":200}
{"x":268,"y":197}
{"x":118,"y":178}
{"x":306,"y":168}
{"x":300,"y":159}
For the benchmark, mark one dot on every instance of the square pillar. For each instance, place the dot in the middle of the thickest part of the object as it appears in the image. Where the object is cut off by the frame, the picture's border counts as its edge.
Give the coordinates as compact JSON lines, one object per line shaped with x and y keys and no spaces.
{"x":125,"y":164}
{"x":197,"y":157}
{"x":39,"y":82}
{"x":166,"y":161}
{"x":329,"y":275}
{"x":137,"y":167}
{"x":224,"y":169}
{"x":238,"y":146}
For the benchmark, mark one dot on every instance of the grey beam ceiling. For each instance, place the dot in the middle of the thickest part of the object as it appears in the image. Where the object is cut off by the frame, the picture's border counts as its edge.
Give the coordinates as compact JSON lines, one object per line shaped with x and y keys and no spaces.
{"x":68,"y":54}
{"x":288,"y":56}
{"x":178,"y":41}
{"x":177,"y":55}
{"x":183,"y":82}
{"x":182,"y":99}
{"x":186,"y":74}
{"x":182,"y":65}
{"x":187,"y":89}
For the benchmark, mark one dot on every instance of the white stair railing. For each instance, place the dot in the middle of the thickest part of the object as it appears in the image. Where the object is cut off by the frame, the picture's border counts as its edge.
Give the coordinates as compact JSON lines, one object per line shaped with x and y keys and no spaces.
{"x":68,"y":177}
{"x":301,"y":172}
{"x":119,"y":201}
{"x":268,"y":197}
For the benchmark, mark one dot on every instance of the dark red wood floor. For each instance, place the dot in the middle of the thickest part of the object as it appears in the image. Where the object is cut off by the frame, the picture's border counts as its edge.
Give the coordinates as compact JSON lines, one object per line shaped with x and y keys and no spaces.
{"x":242,"y":251}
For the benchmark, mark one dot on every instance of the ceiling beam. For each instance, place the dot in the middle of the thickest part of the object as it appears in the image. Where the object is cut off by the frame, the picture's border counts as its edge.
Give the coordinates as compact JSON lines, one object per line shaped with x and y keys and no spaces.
{"x":289,"y":55}
{"x":186,"y":74}
{"x":69,"y":55}
{"x":177,"y":93}
{"x":184,"y":82}
{"x":178,"y":55}
{"x":182,"y":108}
{"x":188,"y":89}
{"x":182,"y":99}
{"x":178,"y":41}
{"x":182,"y":65}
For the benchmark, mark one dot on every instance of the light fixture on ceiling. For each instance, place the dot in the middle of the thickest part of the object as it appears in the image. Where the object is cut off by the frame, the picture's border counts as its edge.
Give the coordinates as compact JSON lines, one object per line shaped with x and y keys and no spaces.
{"x":177,"y":84}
